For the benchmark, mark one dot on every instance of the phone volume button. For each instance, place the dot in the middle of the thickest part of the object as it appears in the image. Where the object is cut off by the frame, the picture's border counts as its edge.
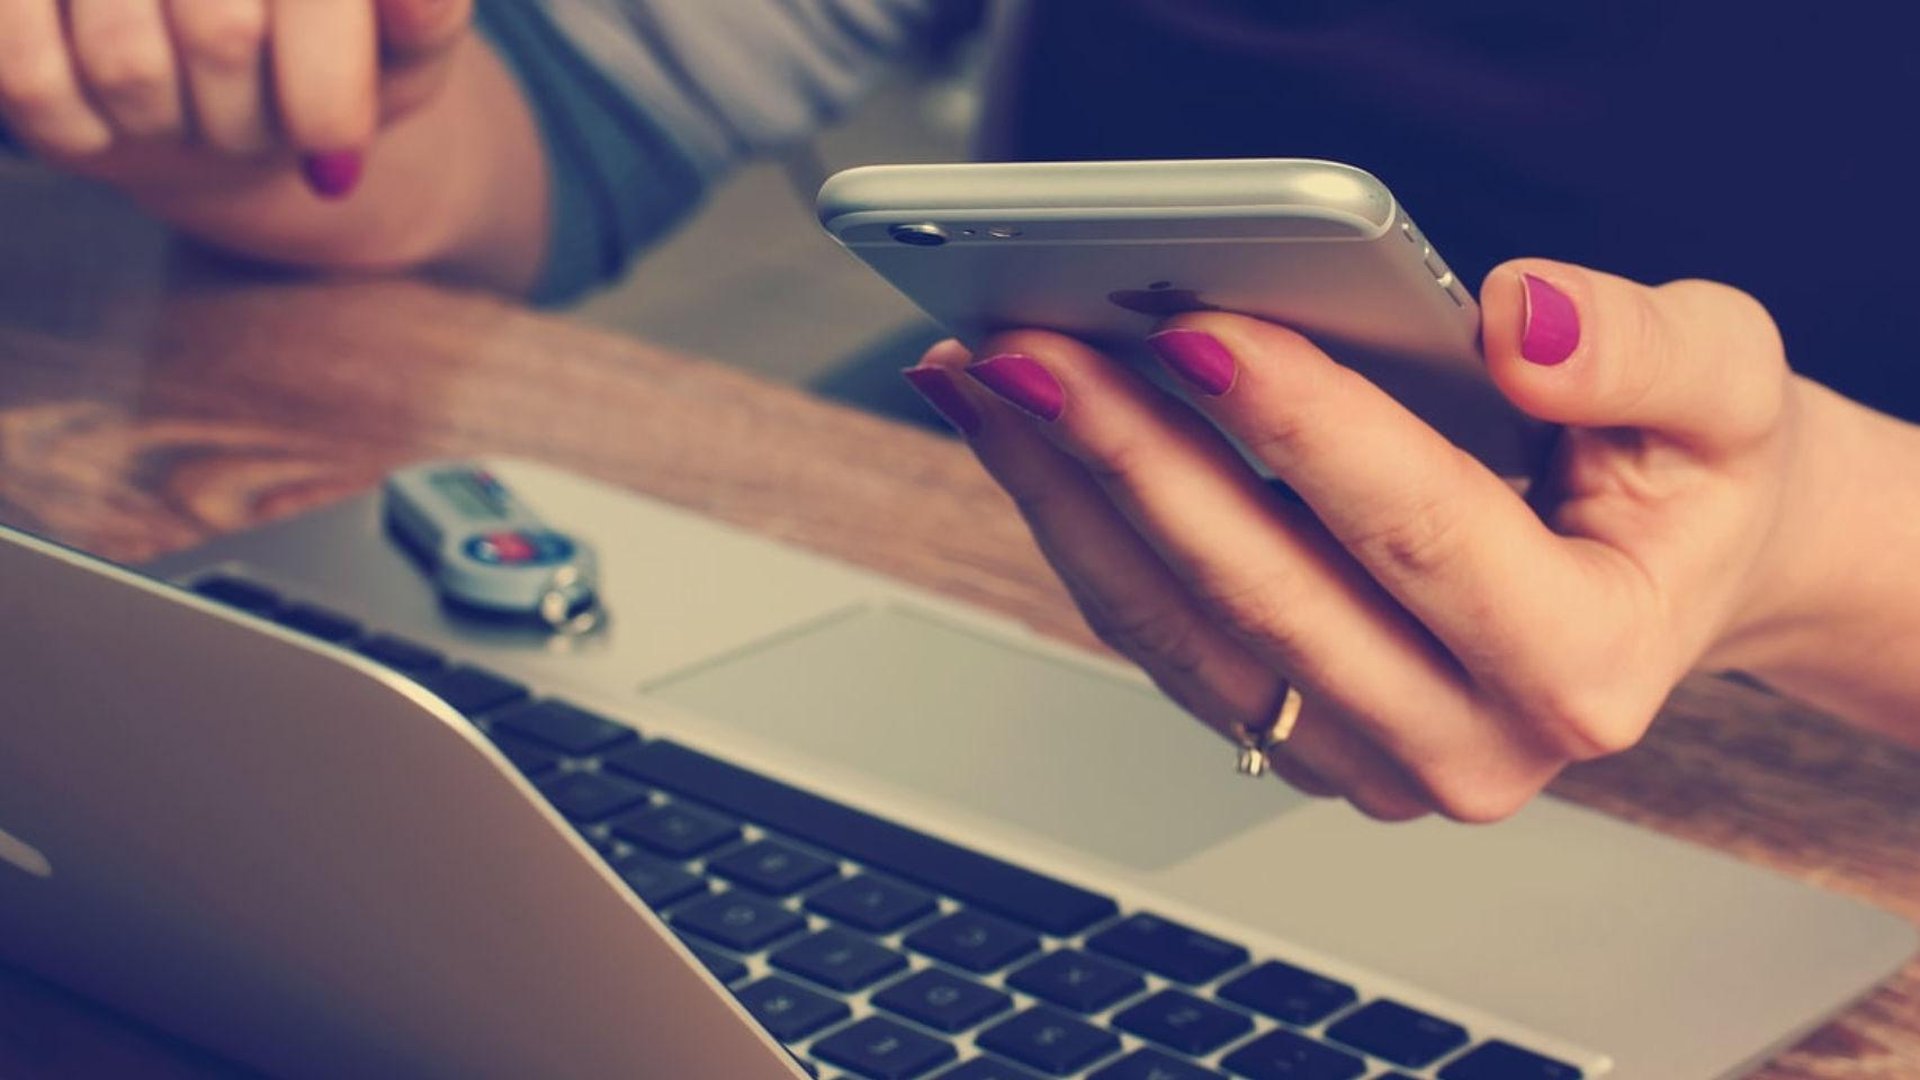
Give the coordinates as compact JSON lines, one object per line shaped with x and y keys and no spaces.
{"x":1440,"y":271}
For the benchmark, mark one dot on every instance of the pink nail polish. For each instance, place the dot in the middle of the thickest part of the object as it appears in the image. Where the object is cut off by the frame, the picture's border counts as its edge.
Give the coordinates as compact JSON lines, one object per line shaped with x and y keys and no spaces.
{"x":1198,"y":358}
{"x":938,"y":387}
{"x":333,"y":175}
{"x":1023,"y":383}
{"x":1552,"y":328}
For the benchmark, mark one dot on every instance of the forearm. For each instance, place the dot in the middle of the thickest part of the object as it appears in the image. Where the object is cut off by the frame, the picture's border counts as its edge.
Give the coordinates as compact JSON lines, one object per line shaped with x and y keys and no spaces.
{"x":457,"y":187}
{"x":1846,"y":633}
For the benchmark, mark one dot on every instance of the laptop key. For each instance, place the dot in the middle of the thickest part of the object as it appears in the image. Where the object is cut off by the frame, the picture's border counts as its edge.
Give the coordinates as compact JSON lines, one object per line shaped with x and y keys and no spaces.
{"x":1049,"y":1040}
{"x":1077,"y":981}
{"x":402,"y":655}
{"x":317,"y":622}
{"x":872,"y":903}
{"x":1393,"y":1032}
{"x":773,"y":868}
{"x":942,"y":1000}
{"x":238,"y":593}
{"x":535,"y":763}
{"x":987,"y":1068}
{"x":1497,"y":1060}
{"x":587,"y":796}
{"x":656,"y":881}
{"x":1290,"y":994}
{"x":880,"y":1049}
{"x":473,"y":691}
{"x":1183,"y":1023}
{"x":968,"y":939}
{"x":1283,"y":1055}
{"x":677,"y":830}
{"x":724,"y":967}
{"x":1147,"y":1063}
{"x":1167,"y":948}
{"x":596,"y":838}
{"x":1013,"y":892}
{"x":839,"y":960}
{"x":738,"y":920}
{"x":567,"y":728}
{"x":789,"y":1011}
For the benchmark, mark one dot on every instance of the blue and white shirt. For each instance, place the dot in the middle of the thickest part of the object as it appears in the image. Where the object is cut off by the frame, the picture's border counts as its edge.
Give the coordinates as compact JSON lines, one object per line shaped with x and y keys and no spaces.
{"x":644,"y":104}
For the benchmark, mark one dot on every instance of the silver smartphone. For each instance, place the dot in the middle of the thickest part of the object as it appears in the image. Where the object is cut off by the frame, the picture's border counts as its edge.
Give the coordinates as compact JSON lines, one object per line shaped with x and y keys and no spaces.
{"x":1104,"y":251}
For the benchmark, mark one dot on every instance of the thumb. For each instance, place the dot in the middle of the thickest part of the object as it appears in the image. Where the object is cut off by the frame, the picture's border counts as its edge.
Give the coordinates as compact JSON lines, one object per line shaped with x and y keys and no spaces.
{"x":1696,"y":361}
{"x":420,"y":29}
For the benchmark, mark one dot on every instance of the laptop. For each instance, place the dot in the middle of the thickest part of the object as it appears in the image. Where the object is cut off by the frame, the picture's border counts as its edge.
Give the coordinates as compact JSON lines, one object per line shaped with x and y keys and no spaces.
{"x":783,"y":817}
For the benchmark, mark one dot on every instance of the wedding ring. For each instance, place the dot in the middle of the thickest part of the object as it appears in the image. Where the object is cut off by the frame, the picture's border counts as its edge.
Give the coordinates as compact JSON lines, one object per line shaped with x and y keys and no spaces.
{"x":1257,"y":743}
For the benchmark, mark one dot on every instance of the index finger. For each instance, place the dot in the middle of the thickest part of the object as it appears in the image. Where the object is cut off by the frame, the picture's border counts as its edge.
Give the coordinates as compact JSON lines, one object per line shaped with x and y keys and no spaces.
{"x":1439,"y":531}
{"x":326,"y":72}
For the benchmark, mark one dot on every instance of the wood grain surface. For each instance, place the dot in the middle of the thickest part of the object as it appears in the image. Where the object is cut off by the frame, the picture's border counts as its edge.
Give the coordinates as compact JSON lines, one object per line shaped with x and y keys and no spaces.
{"x":144,"y":423}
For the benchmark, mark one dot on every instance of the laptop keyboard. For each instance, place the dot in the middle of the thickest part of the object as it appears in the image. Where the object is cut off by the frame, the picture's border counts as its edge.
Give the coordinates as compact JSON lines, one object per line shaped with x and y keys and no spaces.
{"x":877,"y":952}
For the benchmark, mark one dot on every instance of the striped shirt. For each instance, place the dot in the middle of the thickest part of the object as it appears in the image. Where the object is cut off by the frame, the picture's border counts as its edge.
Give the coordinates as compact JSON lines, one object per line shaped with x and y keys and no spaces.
{"x":645,"y":104}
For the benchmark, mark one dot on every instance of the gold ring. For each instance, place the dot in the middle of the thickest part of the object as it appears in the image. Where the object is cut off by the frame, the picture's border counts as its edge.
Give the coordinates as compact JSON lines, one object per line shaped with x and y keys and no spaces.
{"x":1257,"y":743}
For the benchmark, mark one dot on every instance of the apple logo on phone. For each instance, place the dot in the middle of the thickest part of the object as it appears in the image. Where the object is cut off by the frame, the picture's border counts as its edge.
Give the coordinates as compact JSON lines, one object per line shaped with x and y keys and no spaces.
{"x":1159,"y":300}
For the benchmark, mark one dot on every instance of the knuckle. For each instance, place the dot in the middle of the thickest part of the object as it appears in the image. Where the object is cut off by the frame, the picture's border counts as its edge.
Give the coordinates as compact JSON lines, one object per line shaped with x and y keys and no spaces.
{"x":1742,"y":322}
{"x":1702,"y":294}
{"x":1641,"y":336}
{"x":236,"y":138}
{"x":1164,"y":640}
{"x":1118,"y":462}
{"x":1279,"y":436}
{"x":72,"y":141}
{"x":124,"y":66}
{"x":1260,"y":610}
{"x":1476,"y":802}
{"x":34,"y":85}
{"x":1580,"y":723}
{"x":226,"y":34}
{"x":1037,"y":503}
{"x":1418,"y":540}
{"x":1748,"y":342}
{"x":1388,"y":806}
{"x":45,"y":109}
{"x":1417,"y":543}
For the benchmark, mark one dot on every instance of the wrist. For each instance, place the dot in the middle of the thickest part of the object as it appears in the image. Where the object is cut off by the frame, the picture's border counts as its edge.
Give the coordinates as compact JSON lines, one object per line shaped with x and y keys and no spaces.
{"x":1837,"y":587}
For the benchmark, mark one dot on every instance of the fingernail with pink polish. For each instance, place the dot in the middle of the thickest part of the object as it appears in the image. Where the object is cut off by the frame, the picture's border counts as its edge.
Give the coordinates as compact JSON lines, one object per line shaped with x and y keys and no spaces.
{"x":333,"y":175}
{"x":1552,"y":328}
{"x":938,"y":387}
{"x":1196,"y":357}
{"x":1022,"y":382}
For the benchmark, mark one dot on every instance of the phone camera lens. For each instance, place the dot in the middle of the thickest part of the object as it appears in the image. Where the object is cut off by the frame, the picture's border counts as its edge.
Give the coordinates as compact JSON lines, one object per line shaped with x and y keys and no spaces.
{"x":924,"y":234}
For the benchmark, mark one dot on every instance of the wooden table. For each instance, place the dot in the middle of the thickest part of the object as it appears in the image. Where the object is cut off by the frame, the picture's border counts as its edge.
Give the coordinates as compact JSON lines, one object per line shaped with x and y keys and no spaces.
{"x":136,"y":420}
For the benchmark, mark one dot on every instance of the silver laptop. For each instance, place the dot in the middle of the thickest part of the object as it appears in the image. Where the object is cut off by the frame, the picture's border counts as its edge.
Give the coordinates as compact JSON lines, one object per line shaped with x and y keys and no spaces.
{"x":310,"y":819}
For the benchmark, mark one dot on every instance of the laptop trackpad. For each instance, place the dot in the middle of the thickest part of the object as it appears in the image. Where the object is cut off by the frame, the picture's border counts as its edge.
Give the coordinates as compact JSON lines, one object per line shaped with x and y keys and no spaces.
{"x":1074,"y":753}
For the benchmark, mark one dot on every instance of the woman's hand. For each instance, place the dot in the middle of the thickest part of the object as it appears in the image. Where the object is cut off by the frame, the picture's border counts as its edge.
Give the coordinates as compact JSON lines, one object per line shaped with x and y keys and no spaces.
{"x":1457,"y":644}
{"x":156,"y":96}
{"x":226,"y":118}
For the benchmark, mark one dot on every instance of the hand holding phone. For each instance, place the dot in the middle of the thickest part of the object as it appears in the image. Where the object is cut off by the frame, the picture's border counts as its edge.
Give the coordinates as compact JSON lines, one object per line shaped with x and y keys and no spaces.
{"x":1104,"y":251}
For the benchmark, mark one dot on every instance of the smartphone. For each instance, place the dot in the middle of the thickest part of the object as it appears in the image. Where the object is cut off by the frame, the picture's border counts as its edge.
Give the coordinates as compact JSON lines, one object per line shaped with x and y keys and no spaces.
{"x":1104,"y":251}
